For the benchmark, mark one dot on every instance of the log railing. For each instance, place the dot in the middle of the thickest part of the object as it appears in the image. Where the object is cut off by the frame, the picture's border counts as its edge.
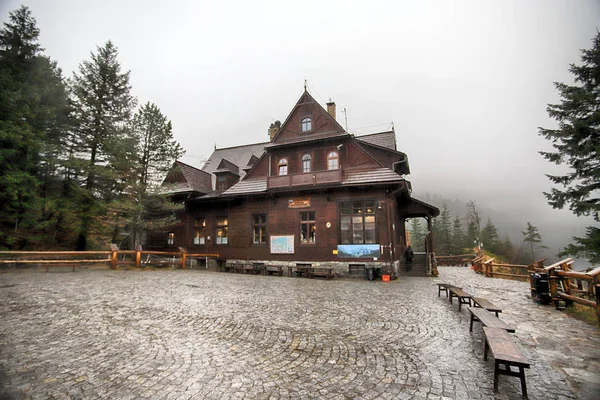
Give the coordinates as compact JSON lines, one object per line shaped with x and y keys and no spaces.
{"x":493,"y":269}
{"x":573,"y":286}
{"x":114,"y":257}
{"x":460,"y":259}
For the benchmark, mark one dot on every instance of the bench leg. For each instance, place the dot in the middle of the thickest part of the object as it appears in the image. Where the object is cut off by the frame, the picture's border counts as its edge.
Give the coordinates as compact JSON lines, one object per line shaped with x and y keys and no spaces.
{"x":485,"y":349}
{"x":471,"y":325}
{"x":496,"y":373}
{"x":523,"y":385}
{"x":460,"y":301}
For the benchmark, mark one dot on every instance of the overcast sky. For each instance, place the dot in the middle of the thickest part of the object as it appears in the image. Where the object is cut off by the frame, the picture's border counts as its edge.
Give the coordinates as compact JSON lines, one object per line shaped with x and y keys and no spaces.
{"x":465,"y":83}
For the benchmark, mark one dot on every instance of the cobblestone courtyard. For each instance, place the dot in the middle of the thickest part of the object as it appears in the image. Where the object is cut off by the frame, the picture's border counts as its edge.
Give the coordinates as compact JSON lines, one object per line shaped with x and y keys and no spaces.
{"x":197,"y":334}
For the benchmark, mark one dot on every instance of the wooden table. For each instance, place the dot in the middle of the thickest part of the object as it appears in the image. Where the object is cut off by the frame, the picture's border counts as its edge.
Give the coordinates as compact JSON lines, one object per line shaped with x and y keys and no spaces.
{"x":487,"y":319}
{"x":506,"y":354}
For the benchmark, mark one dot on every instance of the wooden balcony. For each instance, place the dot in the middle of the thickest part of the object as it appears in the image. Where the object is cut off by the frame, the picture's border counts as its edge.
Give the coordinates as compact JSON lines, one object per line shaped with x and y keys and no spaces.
{"x":307,"y":179}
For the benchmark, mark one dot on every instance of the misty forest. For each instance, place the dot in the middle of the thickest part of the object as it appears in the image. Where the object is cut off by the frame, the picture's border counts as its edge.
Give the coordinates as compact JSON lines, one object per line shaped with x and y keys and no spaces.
{"x":81,"y":162}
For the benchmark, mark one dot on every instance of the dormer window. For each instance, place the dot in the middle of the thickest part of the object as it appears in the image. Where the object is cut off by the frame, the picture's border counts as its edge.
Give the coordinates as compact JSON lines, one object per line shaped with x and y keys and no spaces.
{"x":306,"y":161}
{"x":306,"y":124}
{"x":283,"y":166}
{"x":333,"y":160}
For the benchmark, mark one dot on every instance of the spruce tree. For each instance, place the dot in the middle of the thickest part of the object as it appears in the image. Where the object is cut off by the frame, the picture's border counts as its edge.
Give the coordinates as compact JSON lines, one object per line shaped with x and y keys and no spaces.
{"x":417,"y":235}
{"x":444,"y":238}
{"x":458,"y":236}
{"x":489,"y":236}
{"x":576,"y":143}
{"x":33,"y":119}
{"x":102,"y":143}
{"x":533,"y":237}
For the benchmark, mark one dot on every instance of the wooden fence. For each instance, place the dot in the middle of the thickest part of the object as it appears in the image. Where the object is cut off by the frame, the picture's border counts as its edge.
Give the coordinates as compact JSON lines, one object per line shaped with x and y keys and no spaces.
{"x":570,"y":286}
{"x":493,"y":269}
{"x":114,"y":257}
{"x":461,"y":259}
{"x":563,"y":284}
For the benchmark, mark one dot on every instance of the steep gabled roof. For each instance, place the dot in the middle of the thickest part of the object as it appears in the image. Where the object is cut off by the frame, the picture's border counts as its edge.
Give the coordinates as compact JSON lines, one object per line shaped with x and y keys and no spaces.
{"x":184,"y":178}
{"x":238,"y":155}
{"x":227,"y":166}
{"x":382,"y":139}
{"x":305,"y":104}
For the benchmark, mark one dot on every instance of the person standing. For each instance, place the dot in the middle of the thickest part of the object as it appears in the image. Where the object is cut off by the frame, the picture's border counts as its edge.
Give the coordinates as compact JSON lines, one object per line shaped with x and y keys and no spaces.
{"x":408,"y":256}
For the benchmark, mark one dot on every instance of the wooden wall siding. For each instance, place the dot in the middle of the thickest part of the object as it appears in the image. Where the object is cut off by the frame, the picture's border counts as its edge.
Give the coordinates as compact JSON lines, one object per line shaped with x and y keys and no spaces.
{"x":321,"y":122}
{"x":385,"y":157}
{"x":356,"y":157}
{"x":260,"y":169}
{"x":283,"y":220}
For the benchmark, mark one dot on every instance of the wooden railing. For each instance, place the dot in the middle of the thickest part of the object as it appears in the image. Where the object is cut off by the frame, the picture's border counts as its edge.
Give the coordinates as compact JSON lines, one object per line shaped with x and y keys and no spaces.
{"x":114,"y":257}
{"x":573,"y":286}
{"x":493,"y":269}
{"x":460,"y":259}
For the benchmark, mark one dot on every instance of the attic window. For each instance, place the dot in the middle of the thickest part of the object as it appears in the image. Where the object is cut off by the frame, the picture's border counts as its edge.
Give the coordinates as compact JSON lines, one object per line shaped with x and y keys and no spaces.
{"x":306,"y":124}
{"x":283,"y":166}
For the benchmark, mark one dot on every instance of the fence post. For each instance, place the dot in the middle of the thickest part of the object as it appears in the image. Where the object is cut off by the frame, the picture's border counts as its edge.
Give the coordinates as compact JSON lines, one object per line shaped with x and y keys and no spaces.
{"x":138,"y":255}
{"x":113,"y":255}
{"x":183,"y":257}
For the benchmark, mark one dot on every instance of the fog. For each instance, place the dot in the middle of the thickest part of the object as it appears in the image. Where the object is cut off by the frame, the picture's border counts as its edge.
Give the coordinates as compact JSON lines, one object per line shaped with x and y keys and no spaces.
{"x":464,"y":83}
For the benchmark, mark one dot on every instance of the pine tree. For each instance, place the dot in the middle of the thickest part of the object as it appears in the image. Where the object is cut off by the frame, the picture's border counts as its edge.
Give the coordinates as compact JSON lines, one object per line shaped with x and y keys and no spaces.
{"x":33,"y":118}
{"x":103,"y":146}
{"x":444,"y":238}
{"x":533,"y":237}
{"x":489,"y":236}
{"x":458,"y":236}
{"x":417,"y":235}
{"x":576,"y":143}
{"x":156,"y":150}
{"x":473,"y":224}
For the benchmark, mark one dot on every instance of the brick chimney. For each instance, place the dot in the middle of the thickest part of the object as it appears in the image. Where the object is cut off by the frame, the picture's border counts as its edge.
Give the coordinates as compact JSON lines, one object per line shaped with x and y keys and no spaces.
{"x":331,"y":108}
{"x":273,"y":129}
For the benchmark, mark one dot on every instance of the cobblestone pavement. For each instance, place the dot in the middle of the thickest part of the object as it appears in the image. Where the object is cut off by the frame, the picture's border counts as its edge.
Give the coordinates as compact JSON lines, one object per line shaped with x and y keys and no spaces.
{"x":197,"y":334}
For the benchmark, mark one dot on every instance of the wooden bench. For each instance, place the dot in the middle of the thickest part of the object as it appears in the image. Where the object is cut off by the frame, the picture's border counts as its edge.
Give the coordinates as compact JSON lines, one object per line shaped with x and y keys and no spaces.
{"x":273,"y":269}
{"x":444,"y":287}
{"x":300,"y":269}
{"x":506,"y":354}
{"x":487,"y":319}
{"x":488,"y":305}
{"x":462,"y":296}
{"x":321,"y":272}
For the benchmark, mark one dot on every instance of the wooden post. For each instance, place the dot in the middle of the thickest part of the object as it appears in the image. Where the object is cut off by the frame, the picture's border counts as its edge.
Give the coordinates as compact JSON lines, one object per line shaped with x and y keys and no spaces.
{"x":113,"y":256}
{"x":138,"y":255}
{"x":553,"y":288}
{"x":597,"y":288}
{"x":183,"y":257}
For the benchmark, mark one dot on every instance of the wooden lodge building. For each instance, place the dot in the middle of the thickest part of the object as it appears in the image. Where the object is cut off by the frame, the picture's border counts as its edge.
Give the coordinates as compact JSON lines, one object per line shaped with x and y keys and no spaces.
{"x":313,"y":194}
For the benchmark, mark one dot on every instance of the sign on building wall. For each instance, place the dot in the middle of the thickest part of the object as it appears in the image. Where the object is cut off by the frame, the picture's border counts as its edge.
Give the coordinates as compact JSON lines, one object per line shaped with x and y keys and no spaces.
{"x":283,"y":244}
{"x":299,"y":203}
{"x":358,"y":251}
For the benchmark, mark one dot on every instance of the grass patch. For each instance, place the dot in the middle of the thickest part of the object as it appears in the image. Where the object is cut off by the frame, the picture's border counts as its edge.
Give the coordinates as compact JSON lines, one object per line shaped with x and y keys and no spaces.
{"x":583,"y":313}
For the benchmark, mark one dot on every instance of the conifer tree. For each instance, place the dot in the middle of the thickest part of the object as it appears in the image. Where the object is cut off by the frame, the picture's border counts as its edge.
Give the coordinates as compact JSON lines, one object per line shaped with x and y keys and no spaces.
{"x":104,"y":148}
{"x":458,"y":236}
{"x":576,"y":143}
{"x":417,"y":235}
{"x":444,"y":238}
{"x":489,"y":236}
{"x":33,"y":118}
{"x":533,"y":237}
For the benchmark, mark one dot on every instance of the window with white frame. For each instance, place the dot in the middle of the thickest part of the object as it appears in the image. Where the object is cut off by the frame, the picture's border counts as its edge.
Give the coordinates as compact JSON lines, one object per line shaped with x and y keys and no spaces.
{"x":333,"y":160}
{"x":306,"y":163}
{"x":283,"y":166}
{"x":306,"y":124}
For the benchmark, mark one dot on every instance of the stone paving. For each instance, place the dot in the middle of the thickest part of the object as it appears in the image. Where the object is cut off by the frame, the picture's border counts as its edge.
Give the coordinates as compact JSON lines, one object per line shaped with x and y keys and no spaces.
{"x":196,"y":334}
